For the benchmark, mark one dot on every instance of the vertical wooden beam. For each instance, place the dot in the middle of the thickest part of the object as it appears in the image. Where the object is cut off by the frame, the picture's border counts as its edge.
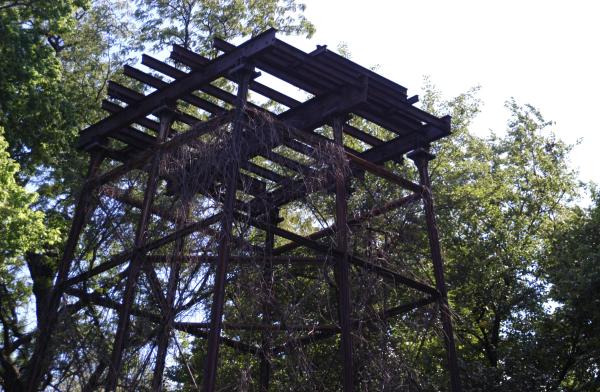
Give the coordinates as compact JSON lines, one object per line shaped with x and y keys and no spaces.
{"x":421,"y":157}
{"x":342,"y":265}
{"x":266,"y":349}
{"x":216,"y":313}
{"x":47,"y":324}
{"x":166,"y":119}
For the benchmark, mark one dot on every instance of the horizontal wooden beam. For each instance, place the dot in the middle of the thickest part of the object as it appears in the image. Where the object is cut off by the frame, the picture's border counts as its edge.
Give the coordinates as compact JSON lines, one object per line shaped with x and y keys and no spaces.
{"x":100,"y":300}
{"x":259,"y":260}
{"x":324,"y":62}
{"x":259,"y":327}
{"x":362,"y":163}
{"x":126,"y":255}
{"x":178,"y":74}
{"x":143,"y":157}
{"x":403,"y":144}
{"x":356,"y":323}
{"x":155,"y":82}
{"x":357,"y":220}
{"x":112,"y":108}
{"x":382,"y":172}
{"x":326,"y":249}
{"x":262,"y":171}
{"x":129,"y":96}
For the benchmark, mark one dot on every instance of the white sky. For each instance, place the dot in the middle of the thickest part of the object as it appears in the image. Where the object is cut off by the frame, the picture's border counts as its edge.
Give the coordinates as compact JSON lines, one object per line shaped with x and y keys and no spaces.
{"x":545,"y":53}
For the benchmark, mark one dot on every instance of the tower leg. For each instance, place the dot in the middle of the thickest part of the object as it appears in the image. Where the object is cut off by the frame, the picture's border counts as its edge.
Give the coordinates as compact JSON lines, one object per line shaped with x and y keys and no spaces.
{"x":265,"y":358}
{"x":135,"y":266}
{"x":342,"y":266}
{"x":421,"y":157}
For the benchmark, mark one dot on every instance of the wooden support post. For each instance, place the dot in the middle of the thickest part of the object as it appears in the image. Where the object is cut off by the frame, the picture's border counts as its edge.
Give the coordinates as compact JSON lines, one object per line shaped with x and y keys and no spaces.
{"x":421,"y":157}
{"x":44,"y":335}
{"x":216,"y":314}
{"x":266,"y":349}
{"x":166,"y":119}
{"x":357,"y":220}
{"x":342,"y":265}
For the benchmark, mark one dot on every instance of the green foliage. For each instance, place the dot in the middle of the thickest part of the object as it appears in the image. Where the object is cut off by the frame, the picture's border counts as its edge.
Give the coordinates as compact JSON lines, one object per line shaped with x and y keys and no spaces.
{"x":574,"y":275}
{"x":499,"y":200}
{"x":32,"y":109}
{"x":22,"y":228}
{"x":22,"y":233}
{"x":193,"y":23}
{"x":521,"y":261}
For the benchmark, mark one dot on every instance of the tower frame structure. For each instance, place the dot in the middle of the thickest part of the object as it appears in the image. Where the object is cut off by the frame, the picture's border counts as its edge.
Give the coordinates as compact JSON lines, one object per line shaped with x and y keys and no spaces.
{"x":144,"y":128}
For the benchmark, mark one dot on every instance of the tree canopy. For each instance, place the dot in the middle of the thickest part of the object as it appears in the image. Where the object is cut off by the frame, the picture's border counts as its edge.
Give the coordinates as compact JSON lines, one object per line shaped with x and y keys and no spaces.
{"x":522,"y":256}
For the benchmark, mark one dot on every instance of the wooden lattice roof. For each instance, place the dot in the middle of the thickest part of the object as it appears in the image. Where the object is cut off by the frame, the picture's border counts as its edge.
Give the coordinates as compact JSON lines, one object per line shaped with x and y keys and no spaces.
{"x":337,"y":85}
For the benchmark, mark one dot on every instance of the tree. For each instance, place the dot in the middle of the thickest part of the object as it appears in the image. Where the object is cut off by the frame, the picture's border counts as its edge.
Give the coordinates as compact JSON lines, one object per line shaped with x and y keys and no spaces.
{"x":31,"y":95}
{"x":22,"y":232}
{"x":64,"y":54}
{"x":499,"y":200}
{"x":522,"y":262}
{"x":570,"y":334}
{"x":194,"y":23}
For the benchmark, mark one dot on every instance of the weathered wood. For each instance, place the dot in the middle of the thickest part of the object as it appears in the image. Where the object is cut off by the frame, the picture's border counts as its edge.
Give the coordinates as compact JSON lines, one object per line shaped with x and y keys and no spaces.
{"x":196,"y":61}
{"x":176,"y":89}
{"x":383,"y":173}
{"x":403,"y":144}
{"x":243,"y":260}
{"x":342,"y":267}
{"x":128,"y":254}
{"x":129,"y":96}
{"x":262,"y":171}
{"x":191,"y":328}
{"x":421,"y":157}
{"x":169,"y":312}
{"x":216,"y":312}
{"x":340,"y":90}
{"x":155,"y":82}
{"x":166,"y":119}
{"x":357,"y":220}
{"x":357,"y":323}
{"x":379,"y":270}
{"x":268,"y":277}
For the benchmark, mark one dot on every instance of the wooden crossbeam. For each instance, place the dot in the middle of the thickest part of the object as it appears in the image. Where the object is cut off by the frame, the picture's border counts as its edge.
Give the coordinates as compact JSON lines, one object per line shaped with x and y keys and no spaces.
{"x":155,"y":82}
{"x":329,"y":231}
{"x":127,"y":254}
{"x":403,"y":144}
{"x":410,"y":114}
{"x":100,"y":300}
{"x":276,"y":260}
{"x":217,"y":92}
{"x":129,"y":96}
{"x":325,"y":249}
{"x":356,"y":323}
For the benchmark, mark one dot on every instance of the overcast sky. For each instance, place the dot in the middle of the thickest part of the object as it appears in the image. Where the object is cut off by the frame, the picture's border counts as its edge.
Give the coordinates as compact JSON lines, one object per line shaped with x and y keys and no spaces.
{"x":545,"y":53}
